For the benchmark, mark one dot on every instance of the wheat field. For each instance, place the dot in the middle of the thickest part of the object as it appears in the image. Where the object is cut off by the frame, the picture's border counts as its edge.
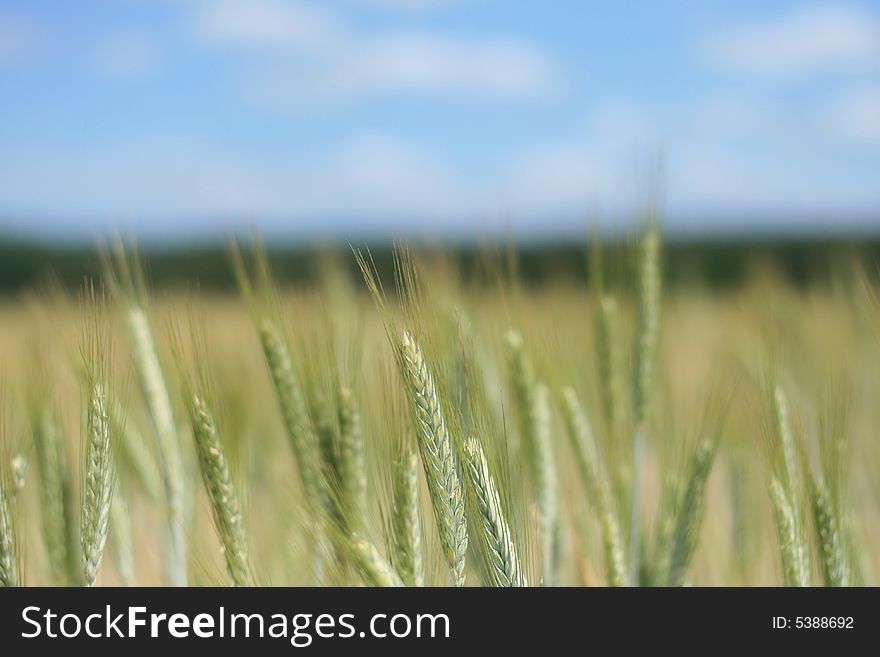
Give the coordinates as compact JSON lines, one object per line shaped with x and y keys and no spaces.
{"x":424,"y":429}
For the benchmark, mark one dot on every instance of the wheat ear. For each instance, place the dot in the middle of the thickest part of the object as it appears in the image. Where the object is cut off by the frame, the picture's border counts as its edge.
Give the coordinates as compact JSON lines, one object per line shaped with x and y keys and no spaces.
{"x":610,"y":357}
{"x":407,"y":555}
{"x":657,"y":572}
{"x":10,"y":573}
{"x":297,"y":423}
{"x":495,"y":536}
{"x":690,"y":512}
{"x":352,"y":459}
{"x":648,"y":322}
{"x":785,"y":436}
{"x":533,"y":400}
{"x":442,"y":470}
{"x":794,"y":539}
{"x":647,"y":341}
{"x":372,"y":565}
{"x":322,"y":415}
{"x":55,"y":497}
{"x":167,"y":442}
{"x":794,"y":572}
{"x":98,"y":489}
{"x":18,"y":469}
{"x":592,"y":472}
{"x":225,"y":504}
{"x":832,"y":553}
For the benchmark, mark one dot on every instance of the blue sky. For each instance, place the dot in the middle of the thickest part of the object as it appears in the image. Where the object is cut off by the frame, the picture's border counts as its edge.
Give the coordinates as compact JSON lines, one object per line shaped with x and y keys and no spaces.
{"x":352,"y":117}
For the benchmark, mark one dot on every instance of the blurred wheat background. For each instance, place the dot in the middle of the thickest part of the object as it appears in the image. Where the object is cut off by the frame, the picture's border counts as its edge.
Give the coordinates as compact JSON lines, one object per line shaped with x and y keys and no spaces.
{"x":631,"y":435}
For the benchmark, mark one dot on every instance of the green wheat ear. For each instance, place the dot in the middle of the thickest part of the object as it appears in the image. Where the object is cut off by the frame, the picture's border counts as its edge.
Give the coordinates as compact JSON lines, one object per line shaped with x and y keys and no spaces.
{"x":158,"y":404}
{"x":407,"y":555}
{"x":785,"y":435}
{"x":98,"y":488}
{"x":690,"y":512}
{"x":297,"y":422}
{"x":611,"y":373}
{"x":787,"y":498}
{"x":790,"y":545}
{"x":225,"y":504}
{"x":55,"y":500}
{"x":645,"y":351}
{"x":495,"y":539}
{"x":648,"y":322}
{"x":372,"y":565}
{"x":442,"y":470}
{"x":10,"y":572}
{"x":832,"y":552}
{"x":595,"y":479}
{"x":352,"y":459}
{"x":533,"y":400}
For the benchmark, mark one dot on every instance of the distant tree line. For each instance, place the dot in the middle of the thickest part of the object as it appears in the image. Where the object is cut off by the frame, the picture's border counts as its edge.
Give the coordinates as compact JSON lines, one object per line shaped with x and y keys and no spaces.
{"x":715,"y":264}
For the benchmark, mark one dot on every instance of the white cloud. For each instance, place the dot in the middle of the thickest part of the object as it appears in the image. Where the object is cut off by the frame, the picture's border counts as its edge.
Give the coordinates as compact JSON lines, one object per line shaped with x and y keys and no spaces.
{"x":709,"y":181}
{"x":366,"y":185}
{"x":268,"y":24}
{"x":125,"y":54}
{"x":808,"y":40}
{"x":374,"y":180}
{"x":723,"y":157}
{"x":375,"y":184}
{"x":735,"y":117}
{"x":411,"y":5}
{"x":306,"y":54}
{"x":856,"y":114}
{"x":773,"y":164}
{"x":551,"y":179}
{"x":428,"y":63}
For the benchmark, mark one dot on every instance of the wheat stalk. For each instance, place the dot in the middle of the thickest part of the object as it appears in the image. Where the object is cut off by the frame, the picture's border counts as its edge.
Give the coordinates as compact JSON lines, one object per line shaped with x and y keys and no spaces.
{"x":690,"y":512}
{"x":785,"y":436}
{"x":442,"y":470}
{"x":135,"y":451}
{"x":323,"y":420}
{"x":372,"y":565}
{"x":55,"y":501}
{"x":352,"y":459}
{"x":610,"y":360}
{"x":120,"y":536}
{"x":18,"y":469}
{"x":658,"y":570}
{"x":533,"y":400}
{"x":406,"y":522}
{"x":835,"y":566}
{"x":225,"y":504}
{"x":295,"y":414}
{"x":590,"y":465}
{"x":790,"y":545}
{"x":648,"y":321}
{"x":788,"y":507}
{"x":167,"y":442}
{"x":98,"y":488}
{"x":10,"y":572}
{"x":495,"y":538}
